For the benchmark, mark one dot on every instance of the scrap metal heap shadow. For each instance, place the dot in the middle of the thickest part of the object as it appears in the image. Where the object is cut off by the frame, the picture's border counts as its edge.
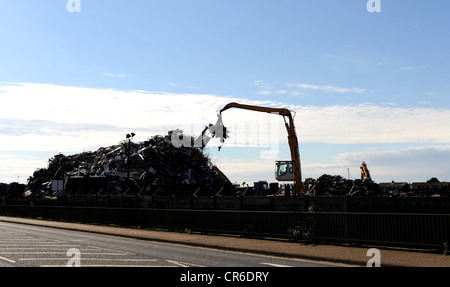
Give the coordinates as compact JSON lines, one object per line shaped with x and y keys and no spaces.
{"x":153,"y":166}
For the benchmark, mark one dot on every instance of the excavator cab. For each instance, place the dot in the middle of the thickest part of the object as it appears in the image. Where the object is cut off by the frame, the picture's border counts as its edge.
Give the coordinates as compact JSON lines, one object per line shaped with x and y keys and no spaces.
{"x":285,"y":171}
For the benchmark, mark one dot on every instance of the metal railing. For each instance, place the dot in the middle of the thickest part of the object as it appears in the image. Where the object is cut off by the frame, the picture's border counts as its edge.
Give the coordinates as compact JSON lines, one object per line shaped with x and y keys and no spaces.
{"x":369,"y":204}
{"x":408,"y":230}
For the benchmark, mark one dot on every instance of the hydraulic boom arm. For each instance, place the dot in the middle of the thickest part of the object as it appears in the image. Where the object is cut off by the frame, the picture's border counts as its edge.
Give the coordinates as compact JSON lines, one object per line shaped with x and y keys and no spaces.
{"x":292,"y":137}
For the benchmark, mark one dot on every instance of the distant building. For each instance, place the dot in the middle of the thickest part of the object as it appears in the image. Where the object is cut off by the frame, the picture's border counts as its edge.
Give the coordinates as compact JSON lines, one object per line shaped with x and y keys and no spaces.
{"x":394,"y":187}
{"x":430,"y":188}
{"x":416,"y":188}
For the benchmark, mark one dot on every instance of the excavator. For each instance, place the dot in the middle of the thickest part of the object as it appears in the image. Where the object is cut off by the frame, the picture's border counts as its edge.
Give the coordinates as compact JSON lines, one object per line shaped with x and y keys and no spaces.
{"x":285,"y":170}
{"x":365,"y":174}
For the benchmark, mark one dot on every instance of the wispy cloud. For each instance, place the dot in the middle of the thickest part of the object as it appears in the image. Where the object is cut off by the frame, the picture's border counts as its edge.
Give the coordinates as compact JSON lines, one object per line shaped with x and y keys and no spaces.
{"x":264,"y":88}
{"x":299,"y":89}
{"x":413,"y":68}
{"x":329,"y":89}
{"x":112,"y":75}
{"x":264,"y":93}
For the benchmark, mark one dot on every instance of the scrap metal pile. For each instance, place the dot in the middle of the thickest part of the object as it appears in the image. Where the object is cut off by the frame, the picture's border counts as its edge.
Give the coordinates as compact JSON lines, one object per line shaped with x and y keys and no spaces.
{"x":156,"y":165}
{"x":340,"y":186}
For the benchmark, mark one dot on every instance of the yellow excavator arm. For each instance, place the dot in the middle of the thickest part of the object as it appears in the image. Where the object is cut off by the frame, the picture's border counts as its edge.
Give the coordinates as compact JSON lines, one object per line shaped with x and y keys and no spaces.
{"x":292,"y":138}
{"x":365,"y":174}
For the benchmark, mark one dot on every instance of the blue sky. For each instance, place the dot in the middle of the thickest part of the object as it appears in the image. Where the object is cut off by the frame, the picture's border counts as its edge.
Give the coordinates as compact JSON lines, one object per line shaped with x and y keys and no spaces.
{"x":366,"y":86}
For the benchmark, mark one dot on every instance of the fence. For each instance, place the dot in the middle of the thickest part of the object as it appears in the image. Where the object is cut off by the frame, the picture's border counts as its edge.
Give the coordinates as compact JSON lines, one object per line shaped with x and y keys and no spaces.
{"x":408,"y":230}
{"x":370,"y":204}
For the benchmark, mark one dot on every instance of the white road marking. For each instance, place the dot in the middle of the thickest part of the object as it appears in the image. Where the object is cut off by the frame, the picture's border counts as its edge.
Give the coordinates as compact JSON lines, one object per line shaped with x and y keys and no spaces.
{"x":28,"y":243}
{"x":43,"y":247}
{"x":7,"y":260}
{"x":21,"y":245}
{"x":107,"y":249}
{"x":184,"y":264}
{"x":108,"y":266}
{"x":60,"y":248}
{"x":275,"y":265}
{"x":89,"y":259}
{"x":13,"y":240}
{"x":52,"y":252}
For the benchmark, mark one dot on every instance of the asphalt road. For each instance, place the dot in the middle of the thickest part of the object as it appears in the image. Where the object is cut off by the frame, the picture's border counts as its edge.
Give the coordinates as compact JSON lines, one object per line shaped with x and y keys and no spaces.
{"x":34,"y":246}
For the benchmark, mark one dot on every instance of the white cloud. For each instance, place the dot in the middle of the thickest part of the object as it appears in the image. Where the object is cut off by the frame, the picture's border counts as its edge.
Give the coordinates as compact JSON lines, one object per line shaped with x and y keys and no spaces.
{"x":265,"y":89}
{"x":112,"y":75}
{"x":15,"y":168}
{"x":264,"y":93}
{"x":329,"y":89}
{"x":373,"y":124}
{"x":413,"y":68}
{"x":282,"y":92}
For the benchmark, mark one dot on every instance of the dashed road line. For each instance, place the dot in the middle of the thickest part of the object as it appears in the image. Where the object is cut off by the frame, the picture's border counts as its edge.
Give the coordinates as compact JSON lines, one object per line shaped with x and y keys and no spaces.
{"x":54,"y":252}
{"x":19,"y":248}
{"x":7,"y":260}
{"x":90,"y":259}
{"x":107,"y":249}
{"x":107,"y":266}
{"x":184,"y":264}
{"x":275,"y":265}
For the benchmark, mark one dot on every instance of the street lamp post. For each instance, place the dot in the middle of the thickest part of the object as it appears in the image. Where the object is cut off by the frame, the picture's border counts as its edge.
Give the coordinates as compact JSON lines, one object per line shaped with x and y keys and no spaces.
{"x":129,"y":137}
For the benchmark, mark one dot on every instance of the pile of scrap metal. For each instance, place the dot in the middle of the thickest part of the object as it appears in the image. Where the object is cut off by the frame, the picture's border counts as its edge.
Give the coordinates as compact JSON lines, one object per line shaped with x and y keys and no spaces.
{"x":157,"y":165}
{"x":327,"y":185}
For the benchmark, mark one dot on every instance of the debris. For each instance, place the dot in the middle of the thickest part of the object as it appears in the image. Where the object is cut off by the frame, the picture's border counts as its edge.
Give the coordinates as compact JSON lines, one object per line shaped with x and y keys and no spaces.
{"x":340,"y":186}
{"x":154,"y":165}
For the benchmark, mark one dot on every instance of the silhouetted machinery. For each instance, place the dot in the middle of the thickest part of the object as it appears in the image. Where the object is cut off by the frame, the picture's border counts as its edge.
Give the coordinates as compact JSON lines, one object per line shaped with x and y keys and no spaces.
{"x":365,"y":174}
{"x":285,"y":170}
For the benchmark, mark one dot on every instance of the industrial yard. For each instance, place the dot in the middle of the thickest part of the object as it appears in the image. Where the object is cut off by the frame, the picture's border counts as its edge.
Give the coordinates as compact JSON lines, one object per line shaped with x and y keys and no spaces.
{"x":158,"y":174}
